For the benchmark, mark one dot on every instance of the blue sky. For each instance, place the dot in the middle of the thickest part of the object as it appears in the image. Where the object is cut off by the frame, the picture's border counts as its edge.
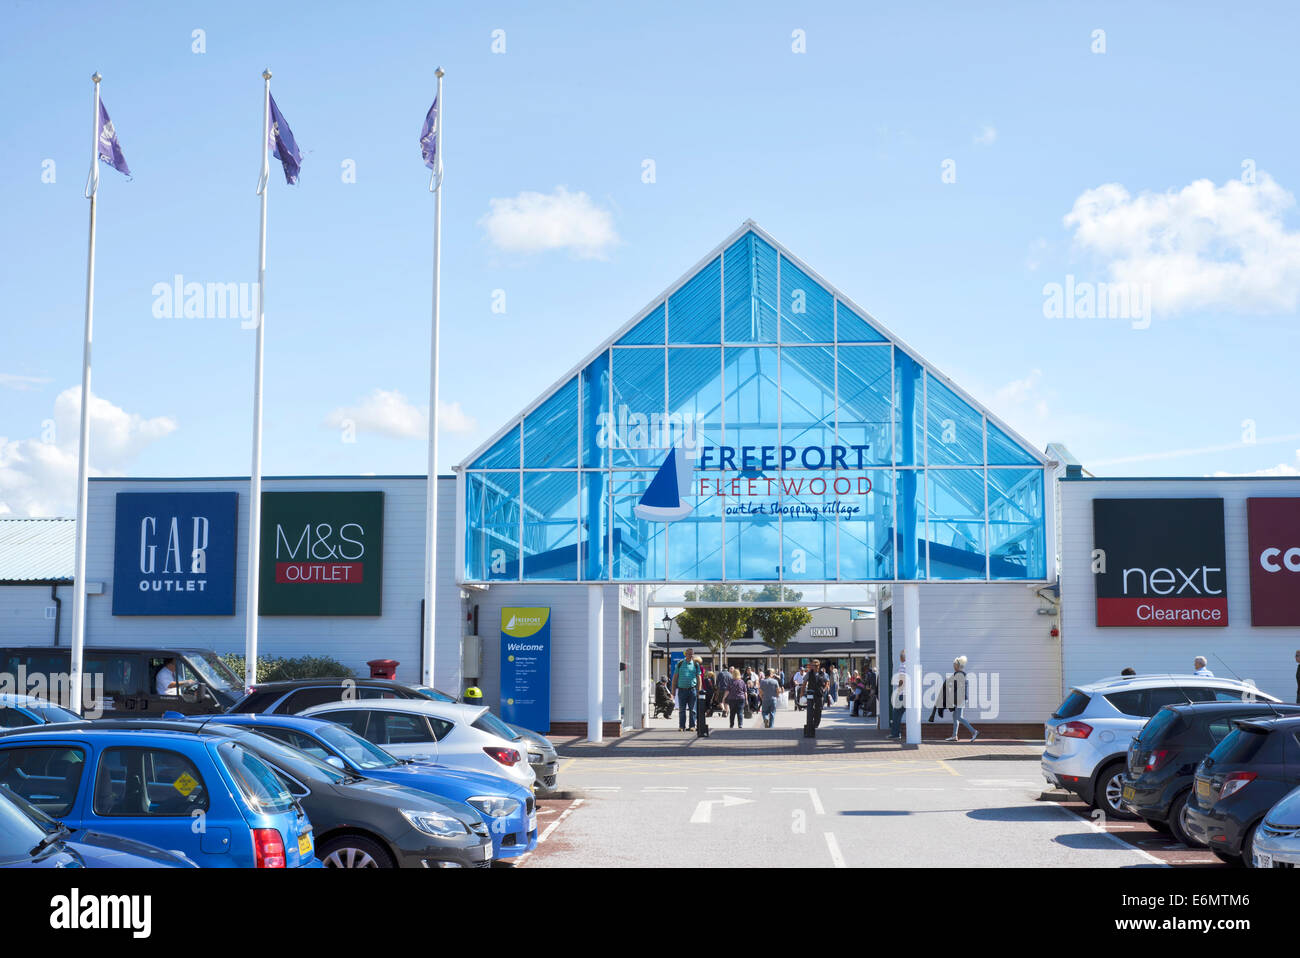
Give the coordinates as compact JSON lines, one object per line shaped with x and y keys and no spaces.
{"x":1175,"y":148}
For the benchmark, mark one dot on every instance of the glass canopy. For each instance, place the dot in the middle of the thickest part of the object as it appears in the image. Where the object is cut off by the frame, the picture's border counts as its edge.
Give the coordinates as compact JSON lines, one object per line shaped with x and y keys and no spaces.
{"x":753,"y":426}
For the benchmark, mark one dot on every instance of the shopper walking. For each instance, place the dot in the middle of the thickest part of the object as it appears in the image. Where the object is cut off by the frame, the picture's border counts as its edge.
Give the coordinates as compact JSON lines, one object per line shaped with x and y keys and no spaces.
{"x":942,"y":702}
{"x":835,"y":684}
{"x":871,"y":689}
{"x":956,"y":691}
{"x":815,"y":685}
{"x":735,"y":698}
{"x":896,"y":694}
{"x":1200,"y":667}
{"x":686,"y":680}
{"x":799,"y":677}
{"x":770,"y":690}
{"x":855,"y":693}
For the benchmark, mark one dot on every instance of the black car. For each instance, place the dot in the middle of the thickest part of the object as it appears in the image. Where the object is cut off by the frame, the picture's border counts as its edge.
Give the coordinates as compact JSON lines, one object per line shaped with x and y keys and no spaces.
{"x":365,"y":823}
{"x":1163,"y":757}
{"x":1255,"y":765}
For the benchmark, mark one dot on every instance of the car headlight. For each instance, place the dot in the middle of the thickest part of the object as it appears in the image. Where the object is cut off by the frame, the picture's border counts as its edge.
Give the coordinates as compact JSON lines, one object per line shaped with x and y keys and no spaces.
{"x":495,"y":807}
{"x":535,"y":758}
{"x":435,"y":823}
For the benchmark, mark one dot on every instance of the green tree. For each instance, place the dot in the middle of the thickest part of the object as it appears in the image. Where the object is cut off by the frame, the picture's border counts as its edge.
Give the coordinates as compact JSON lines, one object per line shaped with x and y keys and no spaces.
{"x":778,"y":626}
{"x":714,"y":627}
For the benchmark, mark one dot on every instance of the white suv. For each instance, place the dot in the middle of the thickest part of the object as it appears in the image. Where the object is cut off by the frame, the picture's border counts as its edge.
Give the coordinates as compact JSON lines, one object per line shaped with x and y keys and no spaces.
{"x":1089,"y":735}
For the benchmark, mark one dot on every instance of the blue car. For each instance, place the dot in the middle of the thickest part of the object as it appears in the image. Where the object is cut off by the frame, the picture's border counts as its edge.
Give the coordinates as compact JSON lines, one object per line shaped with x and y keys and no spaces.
{"x":508,"y":809}
{"x":194,"y":792}
{"x":31,"y":839}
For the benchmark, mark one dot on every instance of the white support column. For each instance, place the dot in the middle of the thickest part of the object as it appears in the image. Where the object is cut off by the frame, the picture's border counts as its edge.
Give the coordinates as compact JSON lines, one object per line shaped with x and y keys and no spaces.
{"x":595,"y":661}
{"x":912,"y":646}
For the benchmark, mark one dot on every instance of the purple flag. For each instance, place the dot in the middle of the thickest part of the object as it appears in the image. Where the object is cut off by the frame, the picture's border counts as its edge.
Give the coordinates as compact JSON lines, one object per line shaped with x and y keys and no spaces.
{"x":282,"y":144}
{"x":429,"y":138}
{"x":110,"y":151}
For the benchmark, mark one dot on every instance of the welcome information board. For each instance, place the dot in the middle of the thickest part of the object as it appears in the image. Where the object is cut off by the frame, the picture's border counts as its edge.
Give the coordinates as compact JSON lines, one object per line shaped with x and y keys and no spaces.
{"x":526,"y":667}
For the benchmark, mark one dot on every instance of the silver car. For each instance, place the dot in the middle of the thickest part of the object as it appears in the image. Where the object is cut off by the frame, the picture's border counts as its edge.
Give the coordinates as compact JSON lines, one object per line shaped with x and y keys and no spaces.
{"x":1277,"y":839}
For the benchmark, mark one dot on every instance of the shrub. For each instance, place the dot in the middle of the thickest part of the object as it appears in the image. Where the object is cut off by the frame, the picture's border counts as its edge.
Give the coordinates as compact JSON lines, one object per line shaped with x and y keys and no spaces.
{"x":275,"y":669}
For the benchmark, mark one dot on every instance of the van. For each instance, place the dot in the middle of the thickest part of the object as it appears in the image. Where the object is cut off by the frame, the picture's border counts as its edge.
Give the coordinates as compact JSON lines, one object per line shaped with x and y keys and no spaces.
{"x":124,"y":681}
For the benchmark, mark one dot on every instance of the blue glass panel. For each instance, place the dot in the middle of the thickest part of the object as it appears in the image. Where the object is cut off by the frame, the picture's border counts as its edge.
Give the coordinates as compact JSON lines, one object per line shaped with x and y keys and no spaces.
{"x":909,"y":449}
{"x":491,"y":526}
{"x":695,"y":310}
{"x":550,"y":527}
{"x":1017,"y":532}
{"x":956,"y":503}
{"x":504,"y":453}
{"x":638,"y":545}
{"x":695,"y":542}
{"x":637,"y":417}
{"x":909,"y":545}
{"x":753,"y":531}
{"x":648,"y":332}
{"x":865,"y":522}
{"x":749,"y":274}
{"x":595,"y":412}
{"x":593,"y":545}
{"x":852,"y":328}
{"x":808,"y":399}
{"x":865,"y":404}
{"x":752,"y":397}
{"x":807,"y":310}
{"x":1003,"y":451}
{"x":694,"y":397}
{"x":807,"y":529}
{"x":956,"y":429}
{"x":551,"y":430}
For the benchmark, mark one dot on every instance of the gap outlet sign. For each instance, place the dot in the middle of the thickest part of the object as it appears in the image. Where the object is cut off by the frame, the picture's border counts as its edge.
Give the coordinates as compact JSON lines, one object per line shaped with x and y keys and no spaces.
{"x":1274,"y":536}
{"x":526,"y":667}
{"x":1159,"y":562}
{"x":321,"y":553}
{"x":174,"y":553}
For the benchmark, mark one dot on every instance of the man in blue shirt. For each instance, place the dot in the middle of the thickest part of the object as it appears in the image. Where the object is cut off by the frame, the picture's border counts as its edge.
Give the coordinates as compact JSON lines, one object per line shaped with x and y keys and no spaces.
{"x":686,"y":680}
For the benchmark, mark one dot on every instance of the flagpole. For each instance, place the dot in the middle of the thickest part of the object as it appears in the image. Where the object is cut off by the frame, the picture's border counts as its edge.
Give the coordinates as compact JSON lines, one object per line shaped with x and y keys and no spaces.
{"x":255,"y":474}
{"x":83,"y":440}
{"x":431,"y":489}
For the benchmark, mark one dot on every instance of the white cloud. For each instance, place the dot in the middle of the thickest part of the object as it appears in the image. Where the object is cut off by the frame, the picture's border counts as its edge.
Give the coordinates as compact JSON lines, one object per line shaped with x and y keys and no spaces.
{"x":1281,"y":469}
{"x":985,"y":136}
{"x":1202,"y":247}
{"x":537,"y":222}
{"x":389,"y":413}
{"x":21,"y":383}
{"x":38,"y":476}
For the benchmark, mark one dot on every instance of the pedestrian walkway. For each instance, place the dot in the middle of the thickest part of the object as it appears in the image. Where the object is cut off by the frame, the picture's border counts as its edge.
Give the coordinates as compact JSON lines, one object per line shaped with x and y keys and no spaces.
{"x":839,"y":734}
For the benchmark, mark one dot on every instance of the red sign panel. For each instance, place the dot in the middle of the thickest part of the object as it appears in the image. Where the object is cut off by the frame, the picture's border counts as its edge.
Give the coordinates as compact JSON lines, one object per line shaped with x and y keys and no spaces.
{"x":1274,"y":537}
{"x":341,"y":573}
{"x":1160,"y":611}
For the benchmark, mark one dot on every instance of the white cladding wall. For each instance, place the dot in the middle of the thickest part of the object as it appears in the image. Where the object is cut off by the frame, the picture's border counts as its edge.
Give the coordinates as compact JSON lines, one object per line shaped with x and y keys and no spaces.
{"x":22,"y":615}
{"x":356,"y":639}
{"x":1266,"y":655}
{"x":998,"y":628}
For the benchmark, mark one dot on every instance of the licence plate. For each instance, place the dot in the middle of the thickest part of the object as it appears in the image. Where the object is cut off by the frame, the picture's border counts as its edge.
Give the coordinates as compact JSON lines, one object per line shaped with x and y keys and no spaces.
{"x":1127,"y":793}
{"x":486,"y":850}
{"x":304,"y":844}
{"x":1051,"y":734}
{"x":1203,"y":791}
{"x":532,"y":822}
{"x":1263,"y":860}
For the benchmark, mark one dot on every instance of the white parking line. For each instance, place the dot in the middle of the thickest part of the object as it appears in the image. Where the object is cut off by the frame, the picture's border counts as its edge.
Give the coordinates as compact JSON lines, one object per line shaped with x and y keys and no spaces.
{"x":1101,"y":829}
{"x":556,"y":824}
{"x":810,"y":792}
{"x":664,"y":788}
{"x":728,"y":788}
{"x":834,"y":848}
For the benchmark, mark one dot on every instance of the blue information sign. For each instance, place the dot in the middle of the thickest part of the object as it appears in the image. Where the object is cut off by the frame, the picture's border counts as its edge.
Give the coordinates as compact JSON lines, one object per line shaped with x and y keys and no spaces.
{"x":526,"y":667}
{"x":174,"y":553}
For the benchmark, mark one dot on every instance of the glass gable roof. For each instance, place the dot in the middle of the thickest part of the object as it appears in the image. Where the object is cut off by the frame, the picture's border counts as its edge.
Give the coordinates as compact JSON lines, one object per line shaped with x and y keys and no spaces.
{"x":753,"y":425}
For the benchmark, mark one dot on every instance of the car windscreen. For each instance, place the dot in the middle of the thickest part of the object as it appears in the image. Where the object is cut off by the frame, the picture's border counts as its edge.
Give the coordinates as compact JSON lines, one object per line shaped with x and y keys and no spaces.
{"x":487,"y":722}
{"x":1073,"y":705}
{"x":1240,"y":747}
{"x":257,"y":782}
{"x":354,"y":748}
{"x":293,"y":760}
{"x":18,"y":833}
{"x":215,"y":672}
{"x":431,"y":693}
{"x":53,"y":713}
{"x":1164,"y":723}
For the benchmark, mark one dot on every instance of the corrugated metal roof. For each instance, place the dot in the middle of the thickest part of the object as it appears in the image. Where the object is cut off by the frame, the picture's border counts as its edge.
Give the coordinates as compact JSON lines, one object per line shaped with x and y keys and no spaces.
{"x":37,"y":549}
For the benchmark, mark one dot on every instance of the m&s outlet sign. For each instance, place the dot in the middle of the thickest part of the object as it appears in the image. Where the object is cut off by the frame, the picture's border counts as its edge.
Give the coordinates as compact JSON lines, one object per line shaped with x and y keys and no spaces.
{"x":321,"y":553}
{"x":1160,"y":562}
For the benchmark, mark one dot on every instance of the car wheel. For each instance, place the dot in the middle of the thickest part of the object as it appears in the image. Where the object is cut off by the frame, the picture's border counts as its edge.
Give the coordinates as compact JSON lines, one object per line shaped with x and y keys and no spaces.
{"x":1108,"y":790}
{"x":1177,"y":827}
{"x":1248,"y":847}
{"x":354,"y":851}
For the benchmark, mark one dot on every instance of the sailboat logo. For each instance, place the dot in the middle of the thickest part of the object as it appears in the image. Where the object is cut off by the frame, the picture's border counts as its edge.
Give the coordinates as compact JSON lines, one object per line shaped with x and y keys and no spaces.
{"x":511,"y":624}
{"x":663,"y":498}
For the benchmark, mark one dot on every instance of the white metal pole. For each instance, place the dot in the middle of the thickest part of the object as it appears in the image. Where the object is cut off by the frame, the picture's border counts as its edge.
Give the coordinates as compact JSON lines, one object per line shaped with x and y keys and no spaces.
{"x":83,"y":439}
{"x":912,"y":645}
{"x":595,"y":661}
{"x":255,"y":473}
{"x":431,"y":490}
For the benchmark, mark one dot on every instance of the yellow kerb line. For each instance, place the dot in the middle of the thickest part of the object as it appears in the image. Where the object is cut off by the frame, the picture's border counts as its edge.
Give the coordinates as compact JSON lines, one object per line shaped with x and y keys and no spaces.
{"x":948,"y":768}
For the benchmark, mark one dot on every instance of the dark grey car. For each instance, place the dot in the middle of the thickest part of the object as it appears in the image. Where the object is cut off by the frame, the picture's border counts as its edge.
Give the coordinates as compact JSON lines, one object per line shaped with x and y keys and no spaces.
{"x":363,"y":823}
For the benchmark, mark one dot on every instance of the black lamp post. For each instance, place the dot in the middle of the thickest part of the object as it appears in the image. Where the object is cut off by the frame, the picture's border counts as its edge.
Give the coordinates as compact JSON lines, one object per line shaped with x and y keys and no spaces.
{"x":668,"y":643}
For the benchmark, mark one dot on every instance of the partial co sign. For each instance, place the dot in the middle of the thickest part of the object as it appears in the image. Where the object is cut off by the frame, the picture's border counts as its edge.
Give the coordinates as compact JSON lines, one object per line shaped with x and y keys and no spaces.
{"x":1274,"y":534}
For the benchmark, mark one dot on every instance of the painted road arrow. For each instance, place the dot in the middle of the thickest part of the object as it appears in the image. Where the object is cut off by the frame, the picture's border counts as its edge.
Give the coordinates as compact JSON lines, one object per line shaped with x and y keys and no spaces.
{"x":704,"y":811}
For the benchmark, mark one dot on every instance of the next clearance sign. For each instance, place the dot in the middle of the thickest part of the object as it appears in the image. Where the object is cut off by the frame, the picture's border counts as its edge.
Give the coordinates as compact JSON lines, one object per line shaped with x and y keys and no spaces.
{"x":1160,"y":562}
{"x":1274,"y":535}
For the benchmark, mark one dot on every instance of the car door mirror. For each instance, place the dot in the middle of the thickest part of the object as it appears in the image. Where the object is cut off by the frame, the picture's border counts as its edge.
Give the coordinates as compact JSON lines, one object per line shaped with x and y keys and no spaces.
{"x":336,"y":762}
